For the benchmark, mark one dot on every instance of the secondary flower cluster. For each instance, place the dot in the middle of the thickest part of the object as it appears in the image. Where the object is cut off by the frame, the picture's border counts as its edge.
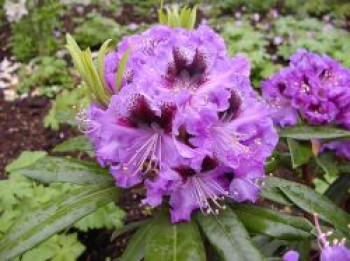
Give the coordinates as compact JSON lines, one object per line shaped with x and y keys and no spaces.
{"x":315,"y":88}
{"x":329,"y":252}
{"x":186,"y":123}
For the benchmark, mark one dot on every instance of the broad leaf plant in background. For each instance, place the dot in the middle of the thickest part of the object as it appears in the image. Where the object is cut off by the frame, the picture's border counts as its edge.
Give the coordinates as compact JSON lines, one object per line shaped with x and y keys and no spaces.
{"x":170,"y":112}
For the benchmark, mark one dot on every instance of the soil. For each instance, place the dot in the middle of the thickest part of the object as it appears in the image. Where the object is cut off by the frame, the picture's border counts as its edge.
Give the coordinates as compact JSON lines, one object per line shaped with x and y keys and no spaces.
{"x":22,"y":128}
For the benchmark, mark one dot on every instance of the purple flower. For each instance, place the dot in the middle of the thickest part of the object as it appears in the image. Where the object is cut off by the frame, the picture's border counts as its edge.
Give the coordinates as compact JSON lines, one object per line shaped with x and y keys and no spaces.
{"x":247,"y":182}
{"x":314,"y":87}
{"x":341,"y":148}
{"x":337,"y":251}
{"x":143,"y":48}
{"x":190,"y":188}
{"x":291,"y":255}
{"x":186,"y":123}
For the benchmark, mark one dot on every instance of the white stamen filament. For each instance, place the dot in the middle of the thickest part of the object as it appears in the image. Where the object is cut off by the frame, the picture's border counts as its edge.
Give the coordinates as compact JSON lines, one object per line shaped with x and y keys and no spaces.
{"x":85,"y":124}
{"x":149,"y":150}
{"x":205,"y":195}
{"x":228,"y":139}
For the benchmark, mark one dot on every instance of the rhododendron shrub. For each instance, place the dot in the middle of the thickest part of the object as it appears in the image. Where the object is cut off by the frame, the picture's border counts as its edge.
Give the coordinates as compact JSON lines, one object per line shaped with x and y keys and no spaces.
{"x":185,"y":122}
{"x":172,"y":118}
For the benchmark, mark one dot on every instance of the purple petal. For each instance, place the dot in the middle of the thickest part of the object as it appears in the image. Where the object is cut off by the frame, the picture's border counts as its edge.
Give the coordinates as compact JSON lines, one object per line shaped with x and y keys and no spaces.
{"x":335,"y":253}
{"x":291,"y":255}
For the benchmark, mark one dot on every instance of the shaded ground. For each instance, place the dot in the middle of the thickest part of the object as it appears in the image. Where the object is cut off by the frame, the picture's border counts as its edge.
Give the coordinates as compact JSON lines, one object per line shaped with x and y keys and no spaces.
{"x":21,"y":128}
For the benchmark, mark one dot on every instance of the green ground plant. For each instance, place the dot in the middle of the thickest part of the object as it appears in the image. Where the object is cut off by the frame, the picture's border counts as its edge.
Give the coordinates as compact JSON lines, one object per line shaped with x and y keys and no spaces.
{"x":47,"y":75}
{"x":33,"y":35}
{"x":20,"y":195}
{"x":242,"y":37}
{"x":313,"y":35}
{"x":93,"y":29}
{"x":64,"y":108}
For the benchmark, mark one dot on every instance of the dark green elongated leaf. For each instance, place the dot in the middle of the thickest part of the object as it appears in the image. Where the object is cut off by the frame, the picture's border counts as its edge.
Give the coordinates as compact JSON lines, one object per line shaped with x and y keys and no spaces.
{"x":228,"y":236}
{"x":312,"y":202}
{"x":80,"y":143}
{"x":274,"y":194}
{"x":313,"y":132}
{"x":135,"y":250}
{"x":39,"y":225}
{"x":338,"y":191}
{"x":327,"y":162}
{"x":275,"y":224}
{"x":299,"y":152}
{"x":267,"y":245}
{"x":58,"y":169}
{"x":174,"y":242}
{"x":303,"y":247}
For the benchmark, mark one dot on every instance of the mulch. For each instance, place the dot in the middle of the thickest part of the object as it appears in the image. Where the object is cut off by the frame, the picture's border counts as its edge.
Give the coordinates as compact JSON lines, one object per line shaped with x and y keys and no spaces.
{"x":22,"y":128}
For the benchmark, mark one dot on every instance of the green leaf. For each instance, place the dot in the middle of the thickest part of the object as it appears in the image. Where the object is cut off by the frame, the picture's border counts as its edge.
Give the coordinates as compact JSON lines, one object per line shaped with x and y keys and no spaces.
{"x":313,"y":132}
{"x":228,"y":236}
{"x":109,"y":216}
{"x":327,"y":162}
{"x":184,"y":17}
{"x":303,"y":247}
{"x":84,"y":64}
{"x":299,"y":152}
{"x":312,"y":202}
{"x":13,"y":190}
{"x":260,"y":220}
{"x":121,"y":69}
{"x":57,"y":169}
{"x":57,"y":247}
{"x":36,"y":226}
{"x":274,"y":194}
{"x":135,"y":250}
{"x":267,"y":245}
{"x":171,"y":242}
{"x":272,"y":163}
{"x":100,"y":61}
{"x":192,"y":19}
{"x":66,"y":106}
{"x":338,"y":191}
{"x":26,"y":159}
{"x":162,"y":17}
{"x":80,"y":143}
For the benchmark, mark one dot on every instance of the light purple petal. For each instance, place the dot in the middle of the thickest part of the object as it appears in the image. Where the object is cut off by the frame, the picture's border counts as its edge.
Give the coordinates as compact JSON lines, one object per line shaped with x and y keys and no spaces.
{"x":291,"y":255}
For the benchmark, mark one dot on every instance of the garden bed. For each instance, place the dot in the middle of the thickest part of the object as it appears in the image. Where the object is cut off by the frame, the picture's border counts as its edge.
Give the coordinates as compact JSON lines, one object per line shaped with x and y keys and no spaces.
{"x":33,"y":121}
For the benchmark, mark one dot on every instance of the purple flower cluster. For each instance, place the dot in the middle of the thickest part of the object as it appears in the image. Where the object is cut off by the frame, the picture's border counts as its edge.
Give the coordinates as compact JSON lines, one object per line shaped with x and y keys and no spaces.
{"x":186,"y":123}
{"x":336,"y":252}
{"x":315,"y":88}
